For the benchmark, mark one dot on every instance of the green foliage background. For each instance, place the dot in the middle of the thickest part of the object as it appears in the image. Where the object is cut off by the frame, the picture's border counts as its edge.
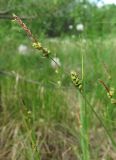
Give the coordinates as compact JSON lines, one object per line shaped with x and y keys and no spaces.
{"x":36,"y":109}
{"x":54,"y":17}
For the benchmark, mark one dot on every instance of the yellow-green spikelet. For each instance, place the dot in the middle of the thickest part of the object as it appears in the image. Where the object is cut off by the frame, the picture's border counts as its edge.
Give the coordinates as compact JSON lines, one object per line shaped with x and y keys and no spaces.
{"x":76,"y":80}
{"x":37,"y":45}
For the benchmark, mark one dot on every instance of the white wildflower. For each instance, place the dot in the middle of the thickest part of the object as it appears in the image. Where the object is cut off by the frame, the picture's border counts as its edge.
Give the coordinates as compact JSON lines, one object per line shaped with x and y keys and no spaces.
{"x":56,"y":63}
{"x":80,"y":27}
{"x":70,"y":26}
{"x":100,"y":4}
{"x":22,"y":49}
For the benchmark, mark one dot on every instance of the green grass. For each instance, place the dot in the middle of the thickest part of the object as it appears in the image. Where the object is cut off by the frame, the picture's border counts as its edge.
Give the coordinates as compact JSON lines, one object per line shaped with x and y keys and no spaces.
{"x":40,"y":121}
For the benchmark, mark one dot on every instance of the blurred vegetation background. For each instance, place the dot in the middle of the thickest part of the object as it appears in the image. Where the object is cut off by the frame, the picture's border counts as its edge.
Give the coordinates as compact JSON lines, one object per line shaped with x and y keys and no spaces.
{"x":59,"y":17}
{"x":42,"y":114}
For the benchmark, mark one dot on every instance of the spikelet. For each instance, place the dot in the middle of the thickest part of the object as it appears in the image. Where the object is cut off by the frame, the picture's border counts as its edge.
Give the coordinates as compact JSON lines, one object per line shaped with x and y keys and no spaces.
{"x":110,"y":95}
{"x":110,"y":92}
{"x":76,"y":80}
{"x":35,"y":43}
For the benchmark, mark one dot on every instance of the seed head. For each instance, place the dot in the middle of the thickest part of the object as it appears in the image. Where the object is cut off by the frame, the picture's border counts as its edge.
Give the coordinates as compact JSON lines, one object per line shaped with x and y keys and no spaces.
{"x":111,"y":92}
{"x":37,"y":45}
{"x":76,"y":80}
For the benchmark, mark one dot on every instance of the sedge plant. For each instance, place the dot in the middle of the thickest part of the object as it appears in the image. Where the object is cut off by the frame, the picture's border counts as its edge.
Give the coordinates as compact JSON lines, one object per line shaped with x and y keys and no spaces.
{"x":79,"y":84}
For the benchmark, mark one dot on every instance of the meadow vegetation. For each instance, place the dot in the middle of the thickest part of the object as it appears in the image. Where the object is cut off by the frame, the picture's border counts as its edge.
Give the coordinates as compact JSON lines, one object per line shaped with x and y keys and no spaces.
{"x":43,"y":116}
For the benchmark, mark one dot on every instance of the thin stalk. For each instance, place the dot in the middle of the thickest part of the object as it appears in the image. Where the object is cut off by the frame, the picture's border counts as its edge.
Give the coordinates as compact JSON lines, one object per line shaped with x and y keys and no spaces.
{"x":98,"y":117}
{"x":84,"y":123}
{"x":84,"y":132}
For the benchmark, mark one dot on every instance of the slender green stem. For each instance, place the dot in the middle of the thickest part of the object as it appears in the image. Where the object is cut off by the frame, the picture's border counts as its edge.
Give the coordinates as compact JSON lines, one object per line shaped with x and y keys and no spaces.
{"x":98,"y":117}
{"x":84,"y":131}
{"x":84,"y":123}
